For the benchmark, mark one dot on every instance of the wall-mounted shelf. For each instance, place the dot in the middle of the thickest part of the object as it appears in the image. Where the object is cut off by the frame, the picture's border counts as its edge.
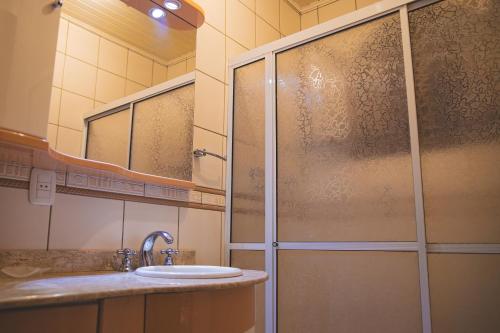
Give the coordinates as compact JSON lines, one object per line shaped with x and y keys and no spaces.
{"x":19,"y":153}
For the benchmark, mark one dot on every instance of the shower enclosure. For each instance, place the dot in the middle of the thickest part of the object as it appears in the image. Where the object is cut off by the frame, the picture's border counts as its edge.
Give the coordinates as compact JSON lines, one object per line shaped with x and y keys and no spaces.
{"x":364,"y":171}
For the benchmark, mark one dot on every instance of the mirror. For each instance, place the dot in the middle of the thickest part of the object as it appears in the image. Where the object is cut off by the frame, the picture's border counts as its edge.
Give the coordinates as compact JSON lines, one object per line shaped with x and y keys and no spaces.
{"x":121,"y":93}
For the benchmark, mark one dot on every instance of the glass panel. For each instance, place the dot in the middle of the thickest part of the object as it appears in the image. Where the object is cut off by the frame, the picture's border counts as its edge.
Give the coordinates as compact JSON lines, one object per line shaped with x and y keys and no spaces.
{"x":248,"y":154}
{"x":347,"y":291}
{"x":455,"y":49}
{"x":253,"y":260}
{"x":344,"y":164}
{"x":107,"y":138}
{"x":465,"y":292}
{"x":162,"y":134}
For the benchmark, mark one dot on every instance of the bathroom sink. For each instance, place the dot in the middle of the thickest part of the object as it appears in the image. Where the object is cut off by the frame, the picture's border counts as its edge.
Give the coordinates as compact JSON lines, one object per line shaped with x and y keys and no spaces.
{"x":188,"y":272}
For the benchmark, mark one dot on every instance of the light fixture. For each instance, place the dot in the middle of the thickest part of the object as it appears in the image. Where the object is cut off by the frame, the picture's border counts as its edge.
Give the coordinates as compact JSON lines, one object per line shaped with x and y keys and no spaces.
{"x":156,"y":13}
{"x":172,"y":4}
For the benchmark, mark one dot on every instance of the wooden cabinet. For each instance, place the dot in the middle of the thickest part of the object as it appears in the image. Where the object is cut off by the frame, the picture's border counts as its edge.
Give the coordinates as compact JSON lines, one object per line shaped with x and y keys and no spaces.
{"x":80,"y":318}
{"x":218,"y":311}
{"x":122,"y":314}
{"x":214,"y":311}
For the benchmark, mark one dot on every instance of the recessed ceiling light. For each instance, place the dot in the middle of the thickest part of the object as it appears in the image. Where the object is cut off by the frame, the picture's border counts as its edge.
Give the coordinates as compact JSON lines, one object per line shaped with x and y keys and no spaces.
{"x":172,"y":4}
{"x":156,"y":13}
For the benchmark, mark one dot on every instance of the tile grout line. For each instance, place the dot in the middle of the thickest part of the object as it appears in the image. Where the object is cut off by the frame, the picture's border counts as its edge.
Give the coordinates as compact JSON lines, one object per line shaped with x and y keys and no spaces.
{"x":49,"y":227}
{"x":123,"y":223}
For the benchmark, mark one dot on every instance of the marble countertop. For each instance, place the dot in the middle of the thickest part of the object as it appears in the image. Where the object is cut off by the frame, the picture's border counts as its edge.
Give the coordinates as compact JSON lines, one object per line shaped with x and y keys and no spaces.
{"x":86,"y":287}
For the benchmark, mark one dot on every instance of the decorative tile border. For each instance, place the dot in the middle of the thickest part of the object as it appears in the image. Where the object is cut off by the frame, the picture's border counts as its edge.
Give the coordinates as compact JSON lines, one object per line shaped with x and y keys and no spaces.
{"x":14,"y":171}
{"x":213,"y":199}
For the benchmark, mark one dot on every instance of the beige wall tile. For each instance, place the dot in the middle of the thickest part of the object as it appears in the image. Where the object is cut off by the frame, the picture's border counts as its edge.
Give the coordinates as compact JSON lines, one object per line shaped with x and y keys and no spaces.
{"x":240,"y":23}
{"x":113,"y":57}
{"x":200,"y":230}
{"x":190,"y":64}
{"x":62,"y":35}
{"x":309,"y":19}
{"x":142,"y":219}
{"x":209,"y":102}
{"x":176,"y":70}
{"x":139,"y":69}
{"x":69,"y":141}
{"x":264,"y":32}
{"x":269,"y":10}
{"x":55,"y":102}
{"x":22,"y":225}
{"x":132,"y":87}
{"x":159,"y":73}
{"x":52,"y":135}
{"x":210,"y":51}
{"x":364,"y":3}
{"x":214,"y":13}
{"x":207,"y":171}
{"x":337,"y":8}
{"x":73,"y":108}
{"x":249,"y":3}
{"x":82,"y":44}
{"x":233,"y":49}
{"x":109,"y":86}
{"x":98,"y":104}
{"x":79,"y":77}
{"x":85,"y":223}
{"x":58,"y":70}
{"x":289,"y":19}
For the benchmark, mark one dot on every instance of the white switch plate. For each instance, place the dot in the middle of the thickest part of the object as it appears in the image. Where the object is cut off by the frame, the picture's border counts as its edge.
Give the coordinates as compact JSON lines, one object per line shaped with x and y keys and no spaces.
{"x":42,"y":187}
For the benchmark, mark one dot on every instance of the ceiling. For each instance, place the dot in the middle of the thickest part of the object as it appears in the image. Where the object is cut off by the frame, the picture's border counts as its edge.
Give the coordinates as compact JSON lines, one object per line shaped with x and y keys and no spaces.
{"x":304,"y":3}
{"x":117,"y":19}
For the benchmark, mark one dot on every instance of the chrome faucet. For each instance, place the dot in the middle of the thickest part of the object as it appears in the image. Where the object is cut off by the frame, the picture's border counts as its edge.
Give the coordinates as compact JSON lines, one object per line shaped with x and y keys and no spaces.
{"x":146,"y":250}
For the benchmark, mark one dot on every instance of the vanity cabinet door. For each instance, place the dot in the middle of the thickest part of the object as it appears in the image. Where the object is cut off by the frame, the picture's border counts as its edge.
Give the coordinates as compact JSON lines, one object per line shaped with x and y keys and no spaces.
{"x":122,"y":314}
{"x":57,"y":319}
{"x":218,"y":311}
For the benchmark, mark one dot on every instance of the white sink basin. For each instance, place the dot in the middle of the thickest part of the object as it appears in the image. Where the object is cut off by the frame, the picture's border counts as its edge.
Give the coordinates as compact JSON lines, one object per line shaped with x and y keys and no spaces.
{"x":188,"y":272}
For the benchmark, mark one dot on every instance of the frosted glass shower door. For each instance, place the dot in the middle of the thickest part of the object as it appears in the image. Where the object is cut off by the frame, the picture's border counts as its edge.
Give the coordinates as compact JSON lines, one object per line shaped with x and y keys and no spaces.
{"x":247,"y":213}
{"x":344,"y":174}
{"x":365,"y":171}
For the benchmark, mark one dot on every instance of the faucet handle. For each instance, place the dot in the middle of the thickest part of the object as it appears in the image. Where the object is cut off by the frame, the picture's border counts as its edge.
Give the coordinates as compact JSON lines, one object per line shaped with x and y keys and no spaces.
{"x":126,"y":261}
{"x":169,"y":261}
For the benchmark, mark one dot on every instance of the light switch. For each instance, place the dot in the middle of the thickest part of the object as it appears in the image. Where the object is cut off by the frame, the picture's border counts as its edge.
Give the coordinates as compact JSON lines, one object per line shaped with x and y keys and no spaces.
{"x":42,"y":187}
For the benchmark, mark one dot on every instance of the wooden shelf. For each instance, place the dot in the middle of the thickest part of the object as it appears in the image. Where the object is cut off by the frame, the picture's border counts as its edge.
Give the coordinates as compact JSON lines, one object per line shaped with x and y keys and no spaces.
{"x":46,"y":158}
{"x":20,"y":152}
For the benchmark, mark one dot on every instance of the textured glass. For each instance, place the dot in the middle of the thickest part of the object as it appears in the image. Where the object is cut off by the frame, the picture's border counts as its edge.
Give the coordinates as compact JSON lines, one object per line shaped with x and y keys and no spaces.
{"x":107,"y":138}
{"x":456,"y":61}
{"x":465,"y":292}
{"x":348,"y":291}
{"x":253,"y":260}
{"x":162,"y":134}
{"x":344,"y":164}
{"x":248,"y":154}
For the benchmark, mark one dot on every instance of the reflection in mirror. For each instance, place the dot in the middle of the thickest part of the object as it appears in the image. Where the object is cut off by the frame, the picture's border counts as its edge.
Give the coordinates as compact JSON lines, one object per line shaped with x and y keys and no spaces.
{"x":150,"y":131}
{"x":108,"y":138}
{"x":108,"y":50}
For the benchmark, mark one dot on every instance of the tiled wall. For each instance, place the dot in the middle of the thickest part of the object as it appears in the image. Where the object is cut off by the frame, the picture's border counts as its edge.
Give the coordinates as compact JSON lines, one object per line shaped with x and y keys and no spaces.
{"x":327,"y":10}
{"x":76,"y":222}
{"x":93,"y":68}
{"x":231,"y":27}
{"x":85,"y":77}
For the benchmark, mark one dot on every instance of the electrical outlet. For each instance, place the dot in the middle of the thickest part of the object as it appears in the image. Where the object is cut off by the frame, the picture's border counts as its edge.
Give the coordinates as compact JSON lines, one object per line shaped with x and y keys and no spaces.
{"x":42,"y":187}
